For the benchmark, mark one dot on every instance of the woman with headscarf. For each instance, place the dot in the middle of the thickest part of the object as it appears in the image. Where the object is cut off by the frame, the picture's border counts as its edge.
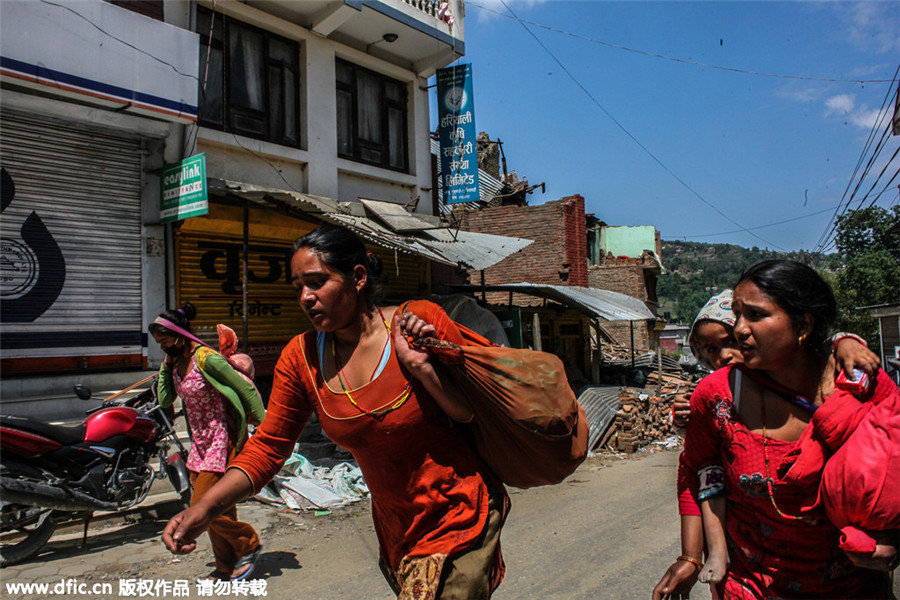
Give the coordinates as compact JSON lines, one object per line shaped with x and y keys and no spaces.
{"x":218,"y":402}
{"x":747,"y":417}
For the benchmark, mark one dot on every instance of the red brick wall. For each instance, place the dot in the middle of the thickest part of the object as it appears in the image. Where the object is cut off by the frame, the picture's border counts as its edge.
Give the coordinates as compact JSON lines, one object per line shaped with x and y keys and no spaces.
{"x":625,"y":279}
{"x":558,"y":231}
{"x":621,"y":331}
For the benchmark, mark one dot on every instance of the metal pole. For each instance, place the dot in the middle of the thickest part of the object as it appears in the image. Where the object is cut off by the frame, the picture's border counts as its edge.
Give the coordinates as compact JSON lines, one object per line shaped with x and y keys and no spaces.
{"x":536,"y":325}
{"x":245,"y":274}
{"x":659,"y":370}
{"x":631,"y":324}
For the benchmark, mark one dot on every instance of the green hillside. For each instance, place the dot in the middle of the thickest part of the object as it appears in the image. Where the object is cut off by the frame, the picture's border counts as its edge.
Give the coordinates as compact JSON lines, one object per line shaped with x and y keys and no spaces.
{"x":696,"y":271}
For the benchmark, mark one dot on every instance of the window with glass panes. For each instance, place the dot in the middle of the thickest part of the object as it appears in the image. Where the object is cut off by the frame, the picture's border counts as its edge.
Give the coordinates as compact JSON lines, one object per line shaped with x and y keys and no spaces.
{"x":249,"y":80}
{"x":371,"y":117}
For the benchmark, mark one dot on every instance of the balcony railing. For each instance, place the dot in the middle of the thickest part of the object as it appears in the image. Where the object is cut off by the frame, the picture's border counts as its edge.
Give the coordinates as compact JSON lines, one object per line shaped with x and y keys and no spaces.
{"x":433,"y":8}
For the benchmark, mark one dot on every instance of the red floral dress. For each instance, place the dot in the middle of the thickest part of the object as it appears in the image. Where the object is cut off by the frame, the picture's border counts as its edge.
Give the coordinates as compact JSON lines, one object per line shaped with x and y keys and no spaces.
{"x":771,"y":556}
{"x":207,"y":419}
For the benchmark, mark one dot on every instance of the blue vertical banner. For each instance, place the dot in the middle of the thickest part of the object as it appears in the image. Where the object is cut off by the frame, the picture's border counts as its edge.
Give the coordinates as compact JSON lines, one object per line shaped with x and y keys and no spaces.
{"x":456,"y":134}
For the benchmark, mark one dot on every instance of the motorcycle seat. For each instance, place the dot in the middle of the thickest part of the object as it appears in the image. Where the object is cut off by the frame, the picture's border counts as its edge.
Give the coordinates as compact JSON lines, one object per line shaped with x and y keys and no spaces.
{"x":64,"y":434}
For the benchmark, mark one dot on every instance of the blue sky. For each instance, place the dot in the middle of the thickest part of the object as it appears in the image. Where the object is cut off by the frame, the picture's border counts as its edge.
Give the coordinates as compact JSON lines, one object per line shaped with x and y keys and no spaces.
{"x":700,"y":152}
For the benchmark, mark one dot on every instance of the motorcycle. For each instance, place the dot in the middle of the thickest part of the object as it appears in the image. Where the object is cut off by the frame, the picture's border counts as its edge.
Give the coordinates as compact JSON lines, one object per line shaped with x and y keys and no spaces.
{"x":50,"y":473}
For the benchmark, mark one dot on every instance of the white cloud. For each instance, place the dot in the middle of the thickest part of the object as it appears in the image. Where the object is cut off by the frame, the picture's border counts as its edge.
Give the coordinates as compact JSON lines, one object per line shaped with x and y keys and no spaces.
{"x":844,"y":106}
{"x":873,"y":25}
{"x":866,"y":119}
{"x":841,"y":104}
{"x":800,"y":92}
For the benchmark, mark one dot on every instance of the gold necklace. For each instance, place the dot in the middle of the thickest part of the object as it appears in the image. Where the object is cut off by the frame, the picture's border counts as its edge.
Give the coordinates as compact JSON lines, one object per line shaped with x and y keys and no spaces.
{"x":769,"y":485}
{"x":400,"y":400}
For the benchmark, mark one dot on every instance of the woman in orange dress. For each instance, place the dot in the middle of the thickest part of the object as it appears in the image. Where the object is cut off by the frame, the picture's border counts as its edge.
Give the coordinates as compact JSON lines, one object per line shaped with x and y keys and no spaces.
{"x":437,"y":508}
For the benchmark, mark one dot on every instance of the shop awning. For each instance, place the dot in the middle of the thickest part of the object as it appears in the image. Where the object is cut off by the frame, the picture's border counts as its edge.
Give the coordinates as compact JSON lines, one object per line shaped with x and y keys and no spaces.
{"x":385,"y":224}
{"x":609,"y":306}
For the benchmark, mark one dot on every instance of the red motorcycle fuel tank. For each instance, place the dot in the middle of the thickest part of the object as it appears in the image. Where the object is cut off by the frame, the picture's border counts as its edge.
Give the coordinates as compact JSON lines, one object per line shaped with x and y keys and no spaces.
{"x":120,"y":420}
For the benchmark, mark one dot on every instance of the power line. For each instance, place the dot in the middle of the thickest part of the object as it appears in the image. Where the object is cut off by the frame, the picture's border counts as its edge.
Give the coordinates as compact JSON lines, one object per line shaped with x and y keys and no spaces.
{"x":633,"y":138}
{"x":670,"y":58}
{"x":818,"y":212}
{"x":121,"y":41}
{"x":830,"y":231}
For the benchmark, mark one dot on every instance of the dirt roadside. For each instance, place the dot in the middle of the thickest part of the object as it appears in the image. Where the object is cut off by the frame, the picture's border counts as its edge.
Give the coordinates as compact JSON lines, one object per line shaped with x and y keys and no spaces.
{"x":608,"y":532}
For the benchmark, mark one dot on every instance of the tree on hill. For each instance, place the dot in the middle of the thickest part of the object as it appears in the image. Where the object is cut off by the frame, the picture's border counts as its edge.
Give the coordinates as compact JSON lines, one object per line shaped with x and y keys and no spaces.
{"x":696,"y":271}
{"x":867,"y":266}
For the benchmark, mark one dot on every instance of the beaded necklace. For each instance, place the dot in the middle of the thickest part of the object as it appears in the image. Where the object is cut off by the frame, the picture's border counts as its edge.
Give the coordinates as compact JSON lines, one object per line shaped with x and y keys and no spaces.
{"x":769,"y":486}
{"x":401,"y":399}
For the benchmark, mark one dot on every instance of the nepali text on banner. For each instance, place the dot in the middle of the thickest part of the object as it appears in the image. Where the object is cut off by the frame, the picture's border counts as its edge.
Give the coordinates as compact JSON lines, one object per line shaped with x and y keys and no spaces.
{"x":456,"y":134}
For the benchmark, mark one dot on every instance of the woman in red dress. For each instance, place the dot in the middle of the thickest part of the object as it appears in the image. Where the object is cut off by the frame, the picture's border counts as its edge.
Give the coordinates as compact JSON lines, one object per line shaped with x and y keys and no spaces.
{"x":437,"y":508}
{"x":747,"y":418}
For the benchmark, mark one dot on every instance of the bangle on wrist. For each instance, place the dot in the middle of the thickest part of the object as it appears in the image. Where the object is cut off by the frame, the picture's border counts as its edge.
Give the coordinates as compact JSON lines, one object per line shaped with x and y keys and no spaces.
{"x":843,"y":335}
{"x":691,"y":560}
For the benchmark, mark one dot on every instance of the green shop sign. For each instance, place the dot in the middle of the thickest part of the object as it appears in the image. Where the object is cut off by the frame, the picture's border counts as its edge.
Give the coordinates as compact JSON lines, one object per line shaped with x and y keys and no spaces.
{"x":184,"y":190}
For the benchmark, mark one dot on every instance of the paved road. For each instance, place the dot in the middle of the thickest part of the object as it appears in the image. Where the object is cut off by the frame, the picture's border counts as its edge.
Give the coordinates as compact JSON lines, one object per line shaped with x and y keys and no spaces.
{"x":607,"y":532}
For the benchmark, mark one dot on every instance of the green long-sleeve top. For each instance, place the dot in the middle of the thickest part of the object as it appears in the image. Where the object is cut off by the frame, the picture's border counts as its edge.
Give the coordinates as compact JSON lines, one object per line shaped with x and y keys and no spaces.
{"x":242,"y":398}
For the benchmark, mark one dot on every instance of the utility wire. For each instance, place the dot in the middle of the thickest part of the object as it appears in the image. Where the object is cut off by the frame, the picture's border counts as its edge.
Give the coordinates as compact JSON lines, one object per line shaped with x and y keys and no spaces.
{"x":634,"y":139}
{"x":877,"y":179}
{"x":674,"y":59}
{"x":791,"y":220}
{"x":833,"y":241}
{"x":827,"y":236}
{"x":838,"y":212}
{"x":121,"y":41}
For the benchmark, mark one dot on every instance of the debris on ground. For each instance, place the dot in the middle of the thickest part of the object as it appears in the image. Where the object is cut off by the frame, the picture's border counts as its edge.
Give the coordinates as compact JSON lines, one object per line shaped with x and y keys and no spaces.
{"x":627,"y":418}
{"x":304,"y":486}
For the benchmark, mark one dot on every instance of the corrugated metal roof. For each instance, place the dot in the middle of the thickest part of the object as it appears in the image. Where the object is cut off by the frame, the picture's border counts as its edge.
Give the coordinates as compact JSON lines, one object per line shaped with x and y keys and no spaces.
{"x":481,"y":249}
{"x":611,"y":306}
{"x":423,"y":235}
{"x":600,"y":404}
{"x":396,"y":217}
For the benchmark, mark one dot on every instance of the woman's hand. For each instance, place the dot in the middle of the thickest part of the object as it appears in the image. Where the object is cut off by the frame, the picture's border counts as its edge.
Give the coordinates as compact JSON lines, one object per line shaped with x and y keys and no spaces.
{"x":416,"y":360}
{"x":182,"y":530}
{"x":681,"y":410}
{"x":677,"y":582}
{"x":850,"y":354}
{"x":886,"y":556}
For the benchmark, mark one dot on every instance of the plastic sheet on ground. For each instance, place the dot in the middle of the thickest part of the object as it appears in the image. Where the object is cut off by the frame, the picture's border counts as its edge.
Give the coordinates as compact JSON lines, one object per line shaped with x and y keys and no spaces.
{"x":669,"y":443}
{"x":301,"y":485}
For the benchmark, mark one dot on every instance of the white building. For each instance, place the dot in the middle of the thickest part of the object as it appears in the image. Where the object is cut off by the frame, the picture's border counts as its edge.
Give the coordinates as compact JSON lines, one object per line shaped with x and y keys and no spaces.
{"x":326,"y":99}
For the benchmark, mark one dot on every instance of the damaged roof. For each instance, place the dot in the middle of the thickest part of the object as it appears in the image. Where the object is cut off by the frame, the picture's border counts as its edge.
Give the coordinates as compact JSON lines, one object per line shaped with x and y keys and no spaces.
{"x":610,"y":306}
{"x":386,"y":224}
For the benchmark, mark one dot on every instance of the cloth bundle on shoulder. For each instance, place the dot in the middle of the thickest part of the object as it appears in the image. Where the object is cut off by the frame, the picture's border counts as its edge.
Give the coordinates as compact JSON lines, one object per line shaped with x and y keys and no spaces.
{"x":528,"y":425}
{"x":860,"y":486}
{"x":851,"y":451}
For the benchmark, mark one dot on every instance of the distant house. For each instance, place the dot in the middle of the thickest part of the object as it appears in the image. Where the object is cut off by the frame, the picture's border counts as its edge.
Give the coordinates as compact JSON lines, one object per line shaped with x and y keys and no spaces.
{"x":626,"y":260}
{"x":888,"y":316}
{"x":673,"y":338}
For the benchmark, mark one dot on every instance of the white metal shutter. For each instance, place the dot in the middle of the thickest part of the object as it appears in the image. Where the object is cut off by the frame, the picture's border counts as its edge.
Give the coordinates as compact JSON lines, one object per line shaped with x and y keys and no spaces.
{"x":70,"y":279}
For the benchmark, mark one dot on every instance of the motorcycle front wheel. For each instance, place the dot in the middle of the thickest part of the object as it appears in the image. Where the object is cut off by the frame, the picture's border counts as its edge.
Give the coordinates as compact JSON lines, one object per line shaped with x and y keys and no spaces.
{"x":23,"y":532}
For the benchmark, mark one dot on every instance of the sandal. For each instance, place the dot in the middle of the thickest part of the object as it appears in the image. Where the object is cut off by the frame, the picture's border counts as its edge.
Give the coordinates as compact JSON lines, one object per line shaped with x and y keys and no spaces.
{"x":247,"y":559}
{"x":216,"y":575}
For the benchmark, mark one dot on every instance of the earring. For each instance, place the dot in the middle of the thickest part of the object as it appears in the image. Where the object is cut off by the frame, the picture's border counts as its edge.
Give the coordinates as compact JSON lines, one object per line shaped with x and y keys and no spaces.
{"x":801,"y":338}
